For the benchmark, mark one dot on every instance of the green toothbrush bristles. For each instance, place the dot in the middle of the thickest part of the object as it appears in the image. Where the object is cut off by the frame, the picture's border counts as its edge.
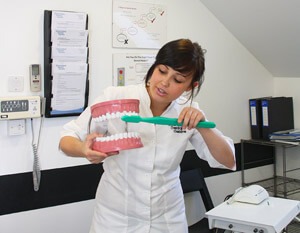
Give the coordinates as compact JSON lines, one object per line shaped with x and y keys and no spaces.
{"x":133,"y":119}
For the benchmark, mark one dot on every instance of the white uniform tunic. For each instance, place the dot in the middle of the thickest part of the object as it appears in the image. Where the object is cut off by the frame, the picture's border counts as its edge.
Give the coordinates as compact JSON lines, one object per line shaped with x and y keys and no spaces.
{"x":140,"y":190}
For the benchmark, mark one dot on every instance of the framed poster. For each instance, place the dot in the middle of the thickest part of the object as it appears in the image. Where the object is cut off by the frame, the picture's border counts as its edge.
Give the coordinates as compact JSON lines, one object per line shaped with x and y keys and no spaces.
{"x":139,"y":25}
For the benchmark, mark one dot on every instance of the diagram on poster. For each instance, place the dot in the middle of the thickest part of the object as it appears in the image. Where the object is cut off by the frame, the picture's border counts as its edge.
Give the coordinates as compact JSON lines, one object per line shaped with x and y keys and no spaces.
{"x":131,"y":68}
{"x":139,"y":25}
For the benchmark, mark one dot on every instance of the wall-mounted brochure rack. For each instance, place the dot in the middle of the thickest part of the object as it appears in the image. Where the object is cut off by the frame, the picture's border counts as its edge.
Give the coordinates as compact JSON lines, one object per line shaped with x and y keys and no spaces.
{"x":66,"y":83}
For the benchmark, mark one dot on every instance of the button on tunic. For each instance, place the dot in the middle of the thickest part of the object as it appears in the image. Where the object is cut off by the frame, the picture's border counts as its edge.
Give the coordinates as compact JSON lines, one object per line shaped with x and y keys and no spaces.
{"x":140,"y":190}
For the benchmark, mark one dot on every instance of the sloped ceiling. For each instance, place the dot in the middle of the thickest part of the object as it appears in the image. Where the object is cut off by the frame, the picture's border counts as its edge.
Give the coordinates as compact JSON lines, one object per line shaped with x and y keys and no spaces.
{"x":269,"y":29}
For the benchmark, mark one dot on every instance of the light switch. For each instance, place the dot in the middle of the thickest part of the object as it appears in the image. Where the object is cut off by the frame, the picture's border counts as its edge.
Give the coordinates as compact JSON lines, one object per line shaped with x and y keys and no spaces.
{"x":15,"y":83}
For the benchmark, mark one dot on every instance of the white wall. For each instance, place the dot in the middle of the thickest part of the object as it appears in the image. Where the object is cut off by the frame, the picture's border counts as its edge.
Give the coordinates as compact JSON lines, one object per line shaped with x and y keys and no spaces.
{"x":233,"y":76}
{"x":59,"y":219}
{"x":289,"y":87}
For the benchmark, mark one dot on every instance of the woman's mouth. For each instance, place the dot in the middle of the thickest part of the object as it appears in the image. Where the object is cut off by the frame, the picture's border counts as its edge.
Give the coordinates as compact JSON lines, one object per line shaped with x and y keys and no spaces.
{"x":161,"y":92}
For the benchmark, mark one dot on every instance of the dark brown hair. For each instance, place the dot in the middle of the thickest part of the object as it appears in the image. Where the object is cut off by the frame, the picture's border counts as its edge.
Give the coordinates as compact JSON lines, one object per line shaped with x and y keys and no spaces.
{"x":185,"y":57}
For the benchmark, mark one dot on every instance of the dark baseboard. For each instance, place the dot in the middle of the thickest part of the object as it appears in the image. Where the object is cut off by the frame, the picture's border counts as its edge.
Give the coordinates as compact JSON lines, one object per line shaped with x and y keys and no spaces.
{"x":57,"y":187}
{"x":73,"y":184}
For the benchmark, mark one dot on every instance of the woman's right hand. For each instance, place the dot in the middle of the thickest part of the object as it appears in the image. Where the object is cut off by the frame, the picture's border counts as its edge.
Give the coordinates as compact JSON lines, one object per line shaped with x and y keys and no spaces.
{"x":92,"y":155}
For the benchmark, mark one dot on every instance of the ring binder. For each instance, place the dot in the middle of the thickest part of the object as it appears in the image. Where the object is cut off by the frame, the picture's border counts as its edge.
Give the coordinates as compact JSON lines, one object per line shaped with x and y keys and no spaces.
{"x":255,"y":118}
{"x":270,"y":114}
{"x":255,"y":110}
{"x":277,"y":114}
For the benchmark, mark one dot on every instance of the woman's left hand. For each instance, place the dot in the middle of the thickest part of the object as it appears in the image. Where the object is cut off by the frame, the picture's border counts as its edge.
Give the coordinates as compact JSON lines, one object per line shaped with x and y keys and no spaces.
{"x":190,"y":117}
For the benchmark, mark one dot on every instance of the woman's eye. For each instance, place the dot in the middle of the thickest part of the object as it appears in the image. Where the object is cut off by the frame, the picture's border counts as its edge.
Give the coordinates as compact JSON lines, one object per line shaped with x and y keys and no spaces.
{"x":162,"y":71}
{"x":177,"y":80}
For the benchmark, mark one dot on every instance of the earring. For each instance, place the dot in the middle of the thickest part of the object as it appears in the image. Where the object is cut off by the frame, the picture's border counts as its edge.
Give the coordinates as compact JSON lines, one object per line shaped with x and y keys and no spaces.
{"x":148,"y":84}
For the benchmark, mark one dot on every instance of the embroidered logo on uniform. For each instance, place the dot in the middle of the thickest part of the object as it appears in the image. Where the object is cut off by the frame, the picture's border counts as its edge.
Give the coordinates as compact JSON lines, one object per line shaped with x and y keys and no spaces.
{"x":178,"y":129}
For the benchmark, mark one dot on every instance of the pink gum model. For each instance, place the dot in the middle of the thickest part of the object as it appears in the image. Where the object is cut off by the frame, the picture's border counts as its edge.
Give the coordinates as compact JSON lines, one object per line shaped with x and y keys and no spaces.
{"x":109,"y":110}
{"x":114,"y":107}
{"x":130,"y":141}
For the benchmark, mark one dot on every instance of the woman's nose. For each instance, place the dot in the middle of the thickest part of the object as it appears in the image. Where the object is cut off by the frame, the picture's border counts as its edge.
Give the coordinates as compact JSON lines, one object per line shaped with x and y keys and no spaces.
{"x":165,"y":81}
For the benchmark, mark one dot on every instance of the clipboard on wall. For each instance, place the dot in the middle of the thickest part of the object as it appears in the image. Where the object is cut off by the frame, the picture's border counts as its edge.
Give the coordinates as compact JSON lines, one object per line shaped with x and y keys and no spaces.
{"x":66,"y":67}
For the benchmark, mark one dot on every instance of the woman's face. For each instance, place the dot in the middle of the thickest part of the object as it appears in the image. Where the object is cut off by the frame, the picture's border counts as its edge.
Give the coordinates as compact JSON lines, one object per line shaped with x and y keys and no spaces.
{"x":167,"y":84}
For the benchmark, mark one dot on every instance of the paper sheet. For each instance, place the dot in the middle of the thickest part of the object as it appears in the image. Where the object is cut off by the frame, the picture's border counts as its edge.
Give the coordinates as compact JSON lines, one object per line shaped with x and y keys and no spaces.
{"x":69,"y":55}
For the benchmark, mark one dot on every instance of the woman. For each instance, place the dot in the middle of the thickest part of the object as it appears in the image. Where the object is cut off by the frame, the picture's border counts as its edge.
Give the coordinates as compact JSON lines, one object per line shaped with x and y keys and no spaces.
{"x":140,"y":190}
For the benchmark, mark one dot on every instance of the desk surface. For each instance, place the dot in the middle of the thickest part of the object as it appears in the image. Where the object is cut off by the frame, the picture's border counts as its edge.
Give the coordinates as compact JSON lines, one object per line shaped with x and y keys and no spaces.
{"x":268,"y":142}
{"x":271,"y":216}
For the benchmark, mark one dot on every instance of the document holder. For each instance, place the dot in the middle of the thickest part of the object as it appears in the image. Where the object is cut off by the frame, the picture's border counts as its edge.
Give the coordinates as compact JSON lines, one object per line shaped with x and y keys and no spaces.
{"x":64,"y":97}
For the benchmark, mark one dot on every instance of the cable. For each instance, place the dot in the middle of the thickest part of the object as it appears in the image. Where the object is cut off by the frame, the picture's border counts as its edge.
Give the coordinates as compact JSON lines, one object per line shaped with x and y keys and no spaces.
{"x":230,"y":199}
{"x":36,"y":173}
{"x":89,"y":125}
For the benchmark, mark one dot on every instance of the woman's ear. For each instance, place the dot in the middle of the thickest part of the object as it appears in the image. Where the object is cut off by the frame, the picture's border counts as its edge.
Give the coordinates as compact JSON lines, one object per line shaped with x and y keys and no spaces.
{"x":195,"y":84}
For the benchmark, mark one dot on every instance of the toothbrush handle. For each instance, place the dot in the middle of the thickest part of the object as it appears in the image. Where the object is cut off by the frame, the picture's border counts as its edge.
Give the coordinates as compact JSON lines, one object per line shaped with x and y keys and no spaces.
{"x":201,"y":124}
{"x":174,"y":122}
{"x":206,"y":124}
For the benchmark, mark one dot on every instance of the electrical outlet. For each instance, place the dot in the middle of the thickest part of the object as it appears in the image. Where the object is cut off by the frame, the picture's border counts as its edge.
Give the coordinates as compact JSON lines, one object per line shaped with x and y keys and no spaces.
{"x":16,"y":127}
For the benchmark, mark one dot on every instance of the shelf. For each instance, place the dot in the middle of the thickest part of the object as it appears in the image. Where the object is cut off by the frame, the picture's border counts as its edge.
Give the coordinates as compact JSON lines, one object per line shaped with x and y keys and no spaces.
{"x":280,"y":186}
{"x":268,"y":143}
{"x":294,"y":226}
{"x":292,"y":185}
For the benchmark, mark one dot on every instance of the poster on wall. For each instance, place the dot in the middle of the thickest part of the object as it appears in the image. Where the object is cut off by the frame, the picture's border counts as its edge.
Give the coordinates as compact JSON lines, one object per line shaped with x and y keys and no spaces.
{"x":131,"y":69}
{"x":139,"y":25}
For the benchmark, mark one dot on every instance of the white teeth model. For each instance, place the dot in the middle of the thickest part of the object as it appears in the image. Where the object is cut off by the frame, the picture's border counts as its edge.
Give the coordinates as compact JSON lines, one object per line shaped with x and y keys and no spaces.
{"x":110,"y":116}
{"x":118,"y":136}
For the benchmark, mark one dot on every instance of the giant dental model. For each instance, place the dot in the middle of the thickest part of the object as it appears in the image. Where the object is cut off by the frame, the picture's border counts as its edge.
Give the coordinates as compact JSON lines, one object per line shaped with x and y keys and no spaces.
{"x":119,"y":139}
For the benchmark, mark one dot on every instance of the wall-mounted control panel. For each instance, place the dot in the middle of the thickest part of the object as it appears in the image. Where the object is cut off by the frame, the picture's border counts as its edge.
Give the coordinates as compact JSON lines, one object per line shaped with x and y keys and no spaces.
{"x":35,"y":77}
{"x":20,"y":107}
